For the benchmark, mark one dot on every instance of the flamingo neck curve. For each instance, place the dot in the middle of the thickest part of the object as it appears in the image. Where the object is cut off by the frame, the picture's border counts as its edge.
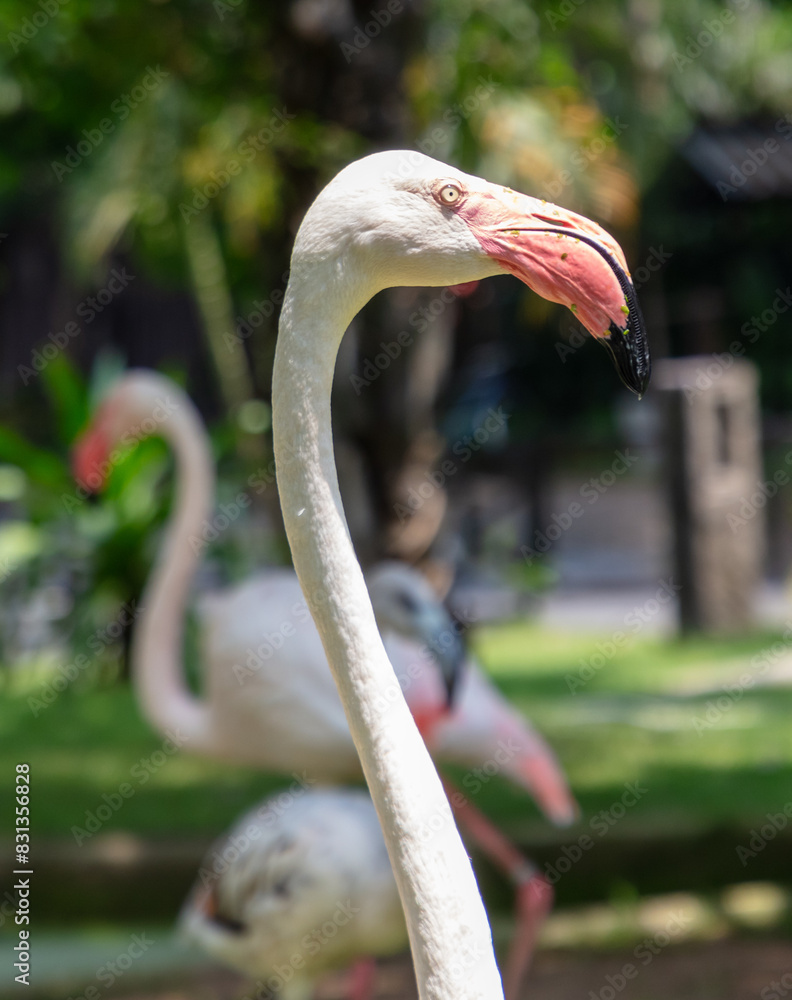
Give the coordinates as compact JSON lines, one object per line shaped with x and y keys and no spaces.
{"x":449,"y":934}
{"x":157,"y":648}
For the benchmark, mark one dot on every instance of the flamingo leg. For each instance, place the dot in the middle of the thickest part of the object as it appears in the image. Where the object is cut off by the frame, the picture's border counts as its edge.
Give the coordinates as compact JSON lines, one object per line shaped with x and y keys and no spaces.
{"x":534,"y":892}
{"x":534,"y":901}
{"x":362,"y":978}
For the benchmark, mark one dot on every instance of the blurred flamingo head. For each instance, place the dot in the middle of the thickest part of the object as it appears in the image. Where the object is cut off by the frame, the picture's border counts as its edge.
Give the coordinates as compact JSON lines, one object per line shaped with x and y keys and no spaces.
{"x":404,"y":602}
{"x":136,"y":406}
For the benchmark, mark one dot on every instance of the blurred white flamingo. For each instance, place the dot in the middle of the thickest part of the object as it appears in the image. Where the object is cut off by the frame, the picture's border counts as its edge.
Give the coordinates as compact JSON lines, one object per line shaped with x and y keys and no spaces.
{"x":297,"y":889}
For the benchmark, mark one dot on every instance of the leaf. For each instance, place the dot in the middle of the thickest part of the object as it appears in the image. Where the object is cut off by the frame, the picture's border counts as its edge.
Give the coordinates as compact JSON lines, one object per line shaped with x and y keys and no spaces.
{"x":67,"y":395}
{"x":45,"y":468}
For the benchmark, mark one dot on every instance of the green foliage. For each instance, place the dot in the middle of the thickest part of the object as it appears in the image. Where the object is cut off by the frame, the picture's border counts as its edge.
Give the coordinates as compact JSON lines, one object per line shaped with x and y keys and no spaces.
{"x":525,"y":93}
{"x":73,"y":564}
{"x":70,"y":564}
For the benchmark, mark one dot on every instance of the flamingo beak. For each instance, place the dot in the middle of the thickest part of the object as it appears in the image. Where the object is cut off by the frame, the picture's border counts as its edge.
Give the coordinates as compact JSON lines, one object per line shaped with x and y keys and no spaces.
{"x":89,"y":457}
{"x":545,"y":780}
{"x":441,"y":636}
{"x":569,"y":259}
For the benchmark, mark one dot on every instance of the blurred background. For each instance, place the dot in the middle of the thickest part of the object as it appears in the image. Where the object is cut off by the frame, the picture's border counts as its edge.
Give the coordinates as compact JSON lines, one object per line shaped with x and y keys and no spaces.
{"x":619,"y":566}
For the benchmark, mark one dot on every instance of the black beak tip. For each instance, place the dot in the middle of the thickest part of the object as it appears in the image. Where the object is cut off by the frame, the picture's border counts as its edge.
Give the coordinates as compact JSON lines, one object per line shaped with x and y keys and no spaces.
{"x":451,"y":662}
{"x":627,"y":344}
{"x":92,"y":494}
{"x":452,"y":675}
{"x":630,"y":352}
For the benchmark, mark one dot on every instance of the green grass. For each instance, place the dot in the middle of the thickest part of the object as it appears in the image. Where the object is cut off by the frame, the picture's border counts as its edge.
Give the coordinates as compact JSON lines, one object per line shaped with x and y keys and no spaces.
{"x":632,"y":716}
{"x":632,"y":721}
{"x":88,"y":744}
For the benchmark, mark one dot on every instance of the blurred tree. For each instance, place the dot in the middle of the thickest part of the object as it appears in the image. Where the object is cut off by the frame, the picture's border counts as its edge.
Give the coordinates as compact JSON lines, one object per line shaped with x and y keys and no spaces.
{"x":189,"y":137}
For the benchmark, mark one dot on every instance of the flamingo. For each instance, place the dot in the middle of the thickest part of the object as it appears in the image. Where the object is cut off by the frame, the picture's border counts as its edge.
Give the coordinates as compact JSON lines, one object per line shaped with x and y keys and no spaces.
{"x":297,"y":889}
{"x":401,"y":218}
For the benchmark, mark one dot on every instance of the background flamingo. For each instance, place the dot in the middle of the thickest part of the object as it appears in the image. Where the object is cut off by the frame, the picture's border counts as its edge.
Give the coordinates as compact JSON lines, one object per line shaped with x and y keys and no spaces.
{"x":292,"y":893}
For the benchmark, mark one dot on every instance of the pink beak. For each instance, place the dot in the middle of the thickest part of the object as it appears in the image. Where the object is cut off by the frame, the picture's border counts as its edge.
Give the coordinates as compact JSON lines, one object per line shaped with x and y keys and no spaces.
{"x":544,"y":779}
{"x":569,"y":259}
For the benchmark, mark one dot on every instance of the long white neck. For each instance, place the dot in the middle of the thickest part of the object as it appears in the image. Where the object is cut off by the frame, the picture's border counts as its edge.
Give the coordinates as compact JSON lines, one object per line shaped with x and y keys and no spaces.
{"x":450,"y":937}
{"x":157,"y":649}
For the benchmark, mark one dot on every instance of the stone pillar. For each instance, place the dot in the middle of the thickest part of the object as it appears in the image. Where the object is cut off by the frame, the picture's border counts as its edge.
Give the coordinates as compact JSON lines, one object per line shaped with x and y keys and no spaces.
{"x":713,"y":472}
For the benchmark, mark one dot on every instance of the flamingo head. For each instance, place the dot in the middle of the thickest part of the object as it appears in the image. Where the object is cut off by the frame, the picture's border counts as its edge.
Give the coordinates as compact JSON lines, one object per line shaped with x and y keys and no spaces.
{"x":136,"y":407}
{"x":405,"y":219}
{"x":404,"y":602}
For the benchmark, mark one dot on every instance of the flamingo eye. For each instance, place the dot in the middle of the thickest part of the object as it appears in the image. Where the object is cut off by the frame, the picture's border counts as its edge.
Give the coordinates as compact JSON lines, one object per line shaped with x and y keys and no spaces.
{"x":407,"y":602}
{"x":449,"y":193}
{"x":282,"y":887}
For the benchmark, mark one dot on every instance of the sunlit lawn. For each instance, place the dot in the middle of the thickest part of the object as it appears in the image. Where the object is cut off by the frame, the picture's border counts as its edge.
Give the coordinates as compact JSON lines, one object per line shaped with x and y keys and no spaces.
{"x":657,"y":711}
{"x":632,"y":721}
